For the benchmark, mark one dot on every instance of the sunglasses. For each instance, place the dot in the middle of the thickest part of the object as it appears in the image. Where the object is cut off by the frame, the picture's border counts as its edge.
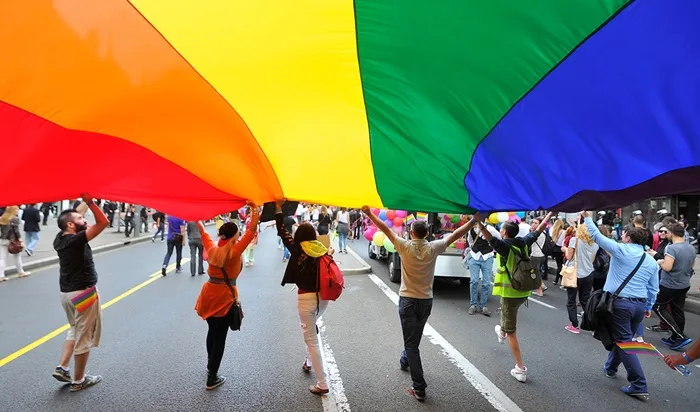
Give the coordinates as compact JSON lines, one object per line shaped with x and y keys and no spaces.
{"x":663,"y":231}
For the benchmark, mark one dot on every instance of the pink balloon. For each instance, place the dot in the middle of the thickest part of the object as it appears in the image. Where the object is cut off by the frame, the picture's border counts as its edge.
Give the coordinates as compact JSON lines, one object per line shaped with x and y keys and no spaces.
{"x":514,"y":219}
{"x":390,"y":214}
{"x":397,"y":229}
{"x":401,"y":213}
{"x":374,"y":211}
{"x":398,"y":221}
{"x":369,"y":233}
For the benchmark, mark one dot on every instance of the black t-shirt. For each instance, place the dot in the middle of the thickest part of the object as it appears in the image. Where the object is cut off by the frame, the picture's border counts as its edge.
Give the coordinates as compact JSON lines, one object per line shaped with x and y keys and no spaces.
{"x":77,"y":269}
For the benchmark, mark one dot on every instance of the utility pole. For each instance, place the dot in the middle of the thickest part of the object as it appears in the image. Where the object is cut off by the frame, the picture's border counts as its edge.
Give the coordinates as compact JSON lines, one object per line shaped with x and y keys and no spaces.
{"x":137,"y":221}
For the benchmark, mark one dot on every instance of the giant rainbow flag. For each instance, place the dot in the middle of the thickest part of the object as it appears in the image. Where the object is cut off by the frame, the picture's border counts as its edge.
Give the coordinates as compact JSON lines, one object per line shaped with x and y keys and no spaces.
{"x":192,"y":107}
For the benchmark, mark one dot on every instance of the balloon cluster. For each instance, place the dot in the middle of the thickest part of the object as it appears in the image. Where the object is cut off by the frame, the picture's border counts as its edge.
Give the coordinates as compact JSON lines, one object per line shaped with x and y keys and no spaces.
{"x":393,"y":219}
{"x":451,"y":221}
{"x":500,"y":217}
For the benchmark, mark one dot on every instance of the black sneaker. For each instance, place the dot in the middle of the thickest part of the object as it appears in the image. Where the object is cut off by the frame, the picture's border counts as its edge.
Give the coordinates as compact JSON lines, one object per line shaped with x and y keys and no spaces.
{"x":162,"y":272}
{"x":403,"y":366}
{"x":419,"y":394}
{"x":178,"y":270}
{"x":214,"y":381}
{"x":86,"y":383}
{"x":642,"y":396}
{"x":62,"y":375}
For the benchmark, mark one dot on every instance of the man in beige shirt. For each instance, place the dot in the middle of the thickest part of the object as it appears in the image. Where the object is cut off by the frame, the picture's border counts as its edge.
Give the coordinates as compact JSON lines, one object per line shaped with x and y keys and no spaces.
{"x":418,"y":258}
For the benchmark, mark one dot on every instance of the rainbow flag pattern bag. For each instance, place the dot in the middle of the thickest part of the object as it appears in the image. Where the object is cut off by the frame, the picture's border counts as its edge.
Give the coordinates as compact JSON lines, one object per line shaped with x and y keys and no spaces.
{"x":85,"y":299}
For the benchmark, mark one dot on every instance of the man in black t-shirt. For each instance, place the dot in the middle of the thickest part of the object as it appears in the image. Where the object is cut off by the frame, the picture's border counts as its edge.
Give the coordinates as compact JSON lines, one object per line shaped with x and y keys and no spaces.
{"x":79,"y":295}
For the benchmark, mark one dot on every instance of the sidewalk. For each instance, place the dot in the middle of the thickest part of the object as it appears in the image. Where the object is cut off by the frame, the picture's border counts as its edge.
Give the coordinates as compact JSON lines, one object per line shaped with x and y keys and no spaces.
{"x":44,"y":254}
{"x":692,"y":302}
{"x":350,"y":264}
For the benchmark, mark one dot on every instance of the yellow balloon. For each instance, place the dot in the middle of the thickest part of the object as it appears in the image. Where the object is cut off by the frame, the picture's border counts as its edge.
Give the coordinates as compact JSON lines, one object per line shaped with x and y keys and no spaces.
{"x":493,"y":218}
{"x":378,"y":238}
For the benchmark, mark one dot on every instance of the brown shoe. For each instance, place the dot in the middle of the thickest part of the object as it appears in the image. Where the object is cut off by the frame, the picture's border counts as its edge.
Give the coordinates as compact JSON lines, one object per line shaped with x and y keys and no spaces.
{"x":318,"y":391}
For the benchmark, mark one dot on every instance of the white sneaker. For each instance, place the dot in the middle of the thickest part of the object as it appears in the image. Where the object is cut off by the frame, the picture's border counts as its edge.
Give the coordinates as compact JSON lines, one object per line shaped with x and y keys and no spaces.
{"x":519,"y":374}
{"x":501,"y":336}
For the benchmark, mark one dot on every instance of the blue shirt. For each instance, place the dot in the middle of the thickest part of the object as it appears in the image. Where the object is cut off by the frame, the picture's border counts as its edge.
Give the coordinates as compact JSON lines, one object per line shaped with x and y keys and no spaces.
{"x":625,"y":256}
{"x":174,"y":226}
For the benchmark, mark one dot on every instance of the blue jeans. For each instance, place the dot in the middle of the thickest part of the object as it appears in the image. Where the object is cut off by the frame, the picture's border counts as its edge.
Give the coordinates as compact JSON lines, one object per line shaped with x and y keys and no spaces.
{"x":31,"y":238}
{"x":178,"y":254}
{"x":626,"y":318}
{"x":414,"y":315}
{"x":486,"y":269}
{"x":161,"y":230}
{"x":287,"y":253}
{"x":342,"y":241}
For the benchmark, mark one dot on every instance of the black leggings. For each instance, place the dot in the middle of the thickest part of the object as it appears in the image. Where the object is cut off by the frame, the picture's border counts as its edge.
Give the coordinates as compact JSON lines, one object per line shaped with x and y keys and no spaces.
{"x":583,"y":290}
{"x":216,"y":342}
{"x":559,"y":258}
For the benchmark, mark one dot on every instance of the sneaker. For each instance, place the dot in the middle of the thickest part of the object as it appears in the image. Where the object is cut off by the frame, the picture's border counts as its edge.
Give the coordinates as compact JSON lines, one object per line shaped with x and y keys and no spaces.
{"x":214,"y":381}
{"x":573,"y":329}
{"x":639,"y":339}
{"x":679,"y":344}
{"x":472,"y":309}
{"x":519,"y":374}
{"x":403,"y":366}
{"x":657,"y":328}
{"x":162,"y":272}
{"x":668,"y":341}
{"x":317,"y":390}
{"x":62,"y":375}
{"x":608,"y":374}
{"x":501,"y":336}
{"x":29,"y":252}
{"x":87,"y":382}
{"x":419,"y":394}
{"x":642,"y":396}
{"x":306,"y":367}
{"x":178,"y":270}
{"x":485,"y":311}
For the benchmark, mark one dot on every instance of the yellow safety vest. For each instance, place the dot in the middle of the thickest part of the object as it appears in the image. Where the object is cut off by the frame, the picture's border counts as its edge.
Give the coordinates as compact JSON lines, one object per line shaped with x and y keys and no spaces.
{"x":501,"y":284}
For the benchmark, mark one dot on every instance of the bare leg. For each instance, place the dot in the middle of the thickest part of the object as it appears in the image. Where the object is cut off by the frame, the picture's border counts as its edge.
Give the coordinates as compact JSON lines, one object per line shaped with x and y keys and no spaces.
{"x":515,"y":349}
{"x":80,"y":365}
{"x":67,"y":353}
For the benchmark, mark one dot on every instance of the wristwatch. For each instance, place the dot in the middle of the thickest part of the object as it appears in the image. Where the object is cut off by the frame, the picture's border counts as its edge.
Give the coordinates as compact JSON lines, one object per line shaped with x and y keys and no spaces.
{"x":687,"y":358}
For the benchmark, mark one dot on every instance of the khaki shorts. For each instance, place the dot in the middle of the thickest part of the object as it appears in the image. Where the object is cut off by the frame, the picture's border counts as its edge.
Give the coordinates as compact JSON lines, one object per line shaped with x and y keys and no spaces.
{"x":86,"y":325}
{"x":509,"y":313}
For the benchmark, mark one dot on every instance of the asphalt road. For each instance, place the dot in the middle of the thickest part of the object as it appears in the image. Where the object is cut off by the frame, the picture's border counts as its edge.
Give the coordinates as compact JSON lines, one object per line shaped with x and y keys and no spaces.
{"x":153,"y":356}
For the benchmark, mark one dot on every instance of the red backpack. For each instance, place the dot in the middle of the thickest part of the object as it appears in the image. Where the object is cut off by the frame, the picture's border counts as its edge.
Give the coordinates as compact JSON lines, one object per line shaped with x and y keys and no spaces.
{"x":330,"y":278}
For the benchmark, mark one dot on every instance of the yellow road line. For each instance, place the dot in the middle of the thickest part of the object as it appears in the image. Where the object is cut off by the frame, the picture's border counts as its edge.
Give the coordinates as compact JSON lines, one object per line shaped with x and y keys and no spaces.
{"x":152,"y":278}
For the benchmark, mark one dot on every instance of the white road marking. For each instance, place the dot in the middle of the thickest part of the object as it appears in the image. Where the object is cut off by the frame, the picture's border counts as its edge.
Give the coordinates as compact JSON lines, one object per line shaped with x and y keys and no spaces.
{"x":499,"y":400}
{"x":697,"y":366}
{"x":335,"y":401}
{"x":541,"y":303}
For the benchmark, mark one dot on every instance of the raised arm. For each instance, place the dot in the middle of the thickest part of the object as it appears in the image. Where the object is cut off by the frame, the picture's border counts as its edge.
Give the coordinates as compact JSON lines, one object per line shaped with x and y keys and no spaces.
{"x":607,"y":244}
{"x":250,"y":231}
{"x":101,"y":221}
{"x":207,"y":242}
{"x":381,"y":225}
{"x":457,"y":234}
{"x":282,"y":231}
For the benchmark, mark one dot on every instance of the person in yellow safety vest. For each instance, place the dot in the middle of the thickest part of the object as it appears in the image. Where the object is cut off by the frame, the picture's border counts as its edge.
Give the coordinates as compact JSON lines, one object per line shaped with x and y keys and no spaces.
{"x":511,"y":299}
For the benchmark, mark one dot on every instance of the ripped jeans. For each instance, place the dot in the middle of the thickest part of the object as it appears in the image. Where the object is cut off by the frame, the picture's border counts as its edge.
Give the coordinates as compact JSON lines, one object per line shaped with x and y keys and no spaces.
{"x":308,"y":315}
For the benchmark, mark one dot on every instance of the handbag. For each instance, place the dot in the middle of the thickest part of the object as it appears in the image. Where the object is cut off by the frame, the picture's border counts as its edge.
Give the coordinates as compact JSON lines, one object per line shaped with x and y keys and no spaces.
{"x":15,"y":246}
{"x":235,"y":314}
{"x":568,"y":273}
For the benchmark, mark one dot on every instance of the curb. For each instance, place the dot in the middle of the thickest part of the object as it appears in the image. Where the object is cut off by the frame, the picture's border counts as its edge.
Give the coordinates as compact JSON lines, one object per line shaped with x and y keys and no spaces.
{"x":41,"y":263}
{"x":692,"y":303}
{"x":365,"y":269}
{"x":53,"y":260}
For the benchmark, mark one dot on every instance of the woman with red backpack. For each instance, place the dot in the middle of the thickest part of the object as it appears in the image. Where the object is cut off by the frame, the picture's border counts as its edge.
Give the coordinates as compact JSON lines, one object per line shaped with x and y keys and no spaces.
{"x":303,"y":271}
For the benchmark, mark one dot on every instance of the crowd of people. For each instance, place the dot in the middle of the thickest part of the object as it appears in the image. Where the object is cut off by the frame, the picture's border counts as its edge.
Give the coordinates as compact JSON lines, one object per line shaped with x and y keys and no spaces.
{"x":647,"y":270}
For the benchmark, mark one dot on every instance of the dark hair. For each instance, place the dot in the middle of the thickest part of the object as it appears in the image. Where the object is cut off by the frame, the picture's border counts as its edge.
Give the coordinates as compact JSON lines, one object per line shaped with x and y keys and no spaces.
{"x":676,"y":229}
{"x":420,"y":229}
{"x":668,"y":220}
{"x":65,"y":217}
{"x":305,"y":232}
{"x":228,"y":230}
{"x":511,"y":228}
{"x":638,"y":220}
{"x":638,"y":235}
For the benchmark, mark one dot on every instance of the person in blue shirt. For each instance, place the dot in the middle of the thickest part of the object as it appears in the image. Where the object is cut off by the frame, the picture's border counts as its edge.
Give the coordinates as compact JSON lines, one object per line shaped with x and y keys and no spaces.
{"x":634,"y":302}
{"x":176,"y":239}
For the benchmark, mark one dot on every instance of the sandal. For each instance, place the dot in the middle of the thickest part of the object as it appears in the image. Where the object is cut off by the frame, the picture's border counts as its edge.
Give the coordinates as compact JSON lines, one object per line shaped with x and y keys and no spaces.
{"x":3,"y":279}
{"x":316,"y":390}
{"x":23,"y":275}
{"x":306,"y":368}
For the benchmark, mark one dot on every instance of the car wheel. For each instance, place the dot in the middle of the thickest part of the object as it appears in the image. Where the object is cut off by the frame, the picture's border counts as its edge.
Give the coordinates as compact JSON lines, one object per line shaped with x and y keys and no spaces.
{"x":370,"y":253}
{"x":394,"y":274}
